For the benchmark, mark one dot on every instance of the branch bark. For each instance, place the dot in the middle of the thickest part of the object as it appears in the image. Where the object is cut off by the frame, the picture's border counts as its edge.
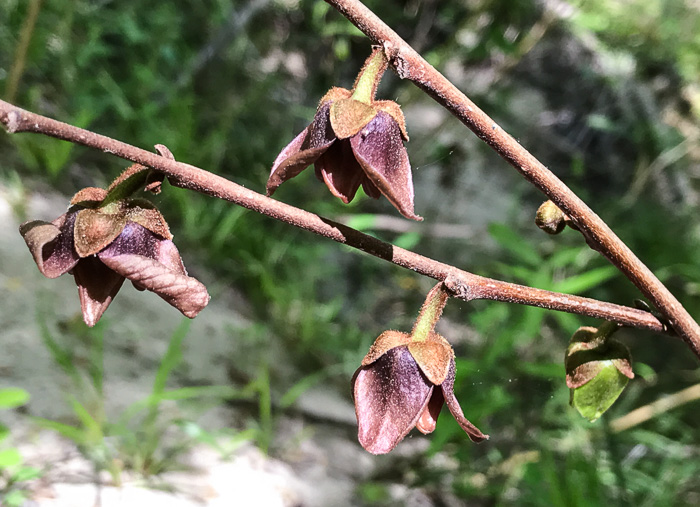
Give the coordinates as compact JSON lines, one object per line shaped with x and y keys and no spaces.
{"x":408,"y":64}
{"x":462,"y":284}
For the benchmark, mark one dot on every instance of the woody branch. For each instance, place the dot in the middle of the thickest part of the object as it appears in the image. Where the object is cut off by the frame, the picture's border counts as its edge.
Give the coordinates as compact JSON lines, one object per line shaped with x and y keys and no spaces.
{"x":409,"y":65}
{"x":462,"y":284}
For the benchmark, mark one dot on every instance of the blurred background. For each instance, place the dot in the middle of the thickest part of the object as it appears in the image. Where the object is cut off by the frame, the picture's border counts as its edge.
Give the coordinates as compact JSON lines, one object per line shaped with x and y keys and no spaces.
{"x":253,"y":396}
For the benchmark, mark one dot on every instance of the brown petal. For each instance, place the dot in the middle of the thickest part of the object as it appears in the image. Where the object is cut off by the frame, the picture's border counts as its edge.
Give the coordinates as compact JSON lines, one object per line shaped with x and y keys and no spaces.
{"x":428,"y":419}
{"x":95,"y":229}
{"x":349,"y":116}
{"x":89,"y":196}
{"x":340,"y":171}
{"x":385,"y":342}
{"x":97,"y":286}
{"x":583,"y":373}
{"x":390,"y":395}
{"x":303,"y":150}
{"x":434,"y":357}
{"x":153,"y":264}
{"x":145,"y":214}
{"x":448,"y":387}
{"x":381,"y":153}
{"x":335,"y":93}
{"x":51,"y":244}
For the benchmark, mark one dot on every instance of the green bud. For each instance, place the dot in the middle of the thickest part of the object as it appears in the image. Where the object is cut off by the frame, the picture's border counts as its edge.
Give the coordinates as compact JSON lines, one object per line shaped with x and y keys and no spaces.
{"x":598,"y":368}
{"x":550,"y":218}
{"x":595,"y":397}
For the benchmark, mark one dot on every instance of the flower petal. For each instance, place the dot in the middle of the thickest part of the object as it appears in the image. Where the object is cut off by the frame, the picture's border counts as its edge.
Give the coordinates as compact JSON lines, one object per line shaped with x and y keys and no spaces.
{"x":390,"y":395}
{"x":392,"y":108}
{"x":303,"y":150}
{"x":386,"y":341}
{"x":340,"y":171}
{"x":448,"y":387}
{"x":51,"y":244}
{"x":428,"y":419}
{"x":95,"y":229}
{"x":154,"y":264}
{"x":97,"y":286}
{"x":145,"y":214}
{"x":380,"y":151}
{"x":349,"y":116}
{"x":433,"y":356}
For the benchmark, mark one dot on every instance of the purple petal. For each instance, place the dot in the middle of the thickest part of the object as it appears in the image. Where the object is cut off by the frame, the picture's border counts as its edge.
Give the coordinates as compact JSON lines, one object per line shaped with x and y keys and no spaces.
{"x":97,"y":286}
{"x":303,"y":150}
{"x":340,"y":171}
{"x":448,"y":387}
{"x":390,"y":395}
{"x":154,"y":264}
{"x":51,"y":244}
{"x":380,"y":151}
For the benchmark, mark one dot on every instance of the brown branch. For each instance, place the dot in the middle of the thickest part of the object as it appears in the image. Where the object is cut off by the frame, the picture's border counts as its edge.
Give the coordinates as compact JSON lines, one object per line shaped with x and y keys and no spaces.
{"x":410,"y":65}
{"x":462,"y":284}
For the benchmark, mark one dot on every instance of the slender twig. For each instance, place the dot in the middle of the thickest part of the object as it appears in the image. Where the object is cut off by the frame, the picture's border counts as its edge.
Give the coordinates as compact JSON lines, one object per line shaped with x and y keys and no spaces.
{"x":21,"y":52}
{"x":647,"y":412}
{"x":462,"y":284}
{"x":410,"y":65}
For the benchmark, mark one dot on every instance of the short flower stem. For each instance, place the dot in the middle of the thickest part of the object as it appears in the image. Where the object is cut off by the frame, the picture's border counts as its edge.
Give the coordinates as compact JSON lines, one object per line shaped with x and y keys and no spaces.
{"x":430,"y":313}
{"x":460,"y":284}
{"x":365,"y":87}
{"x":408,"y":64}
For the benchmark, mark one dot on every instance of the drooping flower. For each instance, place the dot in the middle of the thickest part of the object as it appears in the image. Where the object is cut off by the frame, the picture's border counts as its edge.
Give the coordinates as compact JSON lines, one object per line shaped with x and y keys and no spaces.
{"x":354,"y":140}
{"x":403,"y":384}
{"x":102,"y":244}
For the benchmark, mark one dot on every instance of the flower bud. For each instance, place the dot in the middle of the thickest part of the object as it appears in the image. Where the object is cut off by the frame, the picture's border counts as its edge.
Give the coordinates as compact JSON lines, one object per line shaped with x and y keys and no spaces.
{"x":550,"y":218}
{"x":597,"y":370}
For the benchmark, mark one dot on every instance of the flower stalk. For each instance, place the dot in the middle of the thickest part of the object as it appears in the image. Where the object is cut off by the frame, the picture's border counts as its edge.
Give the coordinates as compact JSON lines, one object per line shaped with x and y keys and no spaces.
{"x":430,"y":313}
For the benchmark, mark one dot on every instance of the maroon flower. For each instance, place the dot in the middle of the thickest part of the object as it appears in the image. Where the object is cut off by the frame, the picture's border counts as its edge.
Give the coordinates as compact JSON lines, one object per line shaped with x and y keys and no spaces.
{"x":403,"y":384}
{"x":352,"y":143}
{"x":101,"y":245}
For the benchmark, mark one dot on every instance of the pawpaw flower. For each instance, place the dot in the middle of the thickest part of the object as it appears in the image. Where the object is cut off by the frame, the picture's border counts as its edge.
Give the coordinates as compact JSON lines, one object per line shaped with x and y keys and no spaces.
{"x":101,"y":245}
{"x":403,"y":384}
{"x":354,"y":141}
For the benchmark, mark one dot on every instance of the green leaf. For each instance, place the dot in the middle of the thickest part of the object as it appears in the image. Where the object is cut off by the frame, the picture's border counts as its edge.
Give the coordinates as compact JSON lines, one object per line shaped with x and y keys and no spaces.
{"x":362,"y":221}
{"x":172,"y":357}
{"x":9,"y":458}
{"x":26,"y":474}
{"x":93,"y":428}
{"x":12,"y":397}
{"x":514,"y":243}
{"x":68,"y":431}
{"x":584,"y":281}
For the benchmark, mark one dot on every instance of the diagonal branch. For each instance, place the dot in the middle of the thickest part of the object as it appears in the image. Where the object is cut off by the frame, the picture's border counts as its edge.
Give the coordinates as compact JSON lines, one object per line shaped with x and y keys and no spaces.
{"x":408,"y":64}
{"x":462,"y":284}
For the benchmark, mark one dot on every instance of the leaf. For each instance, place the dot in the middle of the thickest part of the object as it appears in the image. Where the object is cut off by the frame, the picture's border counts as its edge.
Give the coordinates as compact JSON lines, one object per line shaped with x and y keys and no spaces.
{"x":92,"y":426}
{"x":362,"y":221}
{"x":514,"y":243}
{"x":585,"y":281}
{"x":9,"y":458}
{"x":172,"y":357}
{"x":68,"y":431}
{"x":12,"y":397}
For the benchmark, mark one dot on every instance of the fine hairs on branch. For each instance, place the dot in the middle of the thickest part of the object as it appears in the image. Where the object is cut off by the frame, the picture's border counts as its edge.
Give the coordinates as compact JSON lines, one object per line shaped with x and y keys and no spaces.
{"x":461,"y":284}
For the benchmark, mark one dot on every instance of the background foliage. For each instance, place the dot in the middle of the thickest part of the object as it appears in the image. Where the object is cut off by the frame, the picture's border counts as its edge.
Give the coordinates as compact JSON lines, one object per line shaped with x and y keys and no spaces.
{"x":605,"y":93}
